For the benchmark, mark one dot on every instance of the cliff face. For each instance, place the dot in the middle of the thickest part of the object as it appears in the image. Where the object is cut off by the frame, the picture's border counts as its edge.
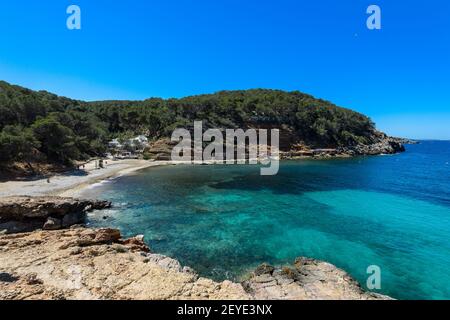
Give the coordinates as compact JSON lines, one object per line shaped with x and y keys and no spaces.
{"x":293,"y":148}
{"x":90,"y":264}
{"x":381,"y":144}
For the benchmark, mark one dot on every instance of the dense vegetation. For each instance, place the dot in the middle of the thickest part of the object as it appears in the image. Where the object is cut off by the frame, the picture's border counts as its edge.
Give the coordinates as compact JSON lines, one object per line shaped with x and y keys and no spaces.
{"x":38,"y":123}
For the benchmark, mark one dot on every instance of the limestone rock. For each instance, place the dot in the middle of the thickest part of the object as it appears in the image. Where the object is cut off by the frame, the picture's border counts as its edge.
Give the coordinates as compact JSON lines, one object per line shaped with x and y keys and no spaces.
{"x":264,"y":269}
{"x":85,"y":264}
{"x":308,"y":279}
{"x":137,"y":244}
{"x":378,"y":143}
{"x":80,"y":263}
{"x":24,"y":214}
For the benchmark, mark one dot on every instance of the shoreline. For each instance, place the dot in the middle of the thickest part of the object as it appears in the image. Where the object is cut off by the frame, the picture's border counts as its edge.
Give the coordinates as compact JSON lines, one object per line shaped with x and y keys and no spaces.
{"x":76,"y":190}
{"x":265,"y":283}
{"x":73,"y":183}
{"x":98,"y":264}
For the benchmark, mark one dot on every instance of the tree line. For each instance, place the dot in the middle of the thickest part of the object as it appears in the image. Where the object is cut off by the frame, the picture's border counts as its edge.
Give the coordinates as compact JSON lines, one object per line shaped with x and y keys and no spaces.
{"x":39,"y":124}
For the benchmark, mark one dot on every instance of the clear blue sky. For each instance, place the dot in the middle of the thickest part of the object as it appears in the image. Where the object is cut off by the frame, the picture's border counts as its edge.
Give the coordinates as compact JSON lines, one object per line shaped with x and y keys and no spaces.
{"x":135,"y":49}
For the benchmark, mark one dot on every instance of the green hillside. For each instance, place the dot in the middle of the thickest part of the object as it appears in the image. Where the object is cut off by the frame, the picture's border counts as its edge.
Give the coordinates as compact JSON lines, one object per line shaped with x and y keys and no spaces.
{"x":61,"y":129}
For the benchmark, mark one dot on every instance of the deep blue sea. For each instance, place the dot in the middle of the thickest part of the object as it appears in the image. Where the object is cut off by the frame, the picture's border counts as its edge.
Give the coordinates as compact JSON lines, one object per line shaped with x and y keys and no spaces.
{"x":390,"y":211}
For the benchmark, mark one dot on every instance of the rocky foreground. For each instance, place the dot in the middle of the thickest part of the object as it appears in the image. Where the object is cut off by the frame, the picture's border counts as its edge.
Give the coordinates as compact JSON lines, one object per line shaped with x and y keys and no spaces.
{"x":82,"y":263}
{"x":61,"y":259}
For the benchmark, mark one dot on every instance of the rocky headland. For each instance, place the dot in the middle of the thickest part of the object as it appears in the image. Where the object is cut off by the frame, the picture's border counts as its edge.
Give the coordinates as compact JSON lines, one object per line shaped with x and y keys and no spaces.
{"x":291,"y":148}
{"x":383,"y":144}
{"x":75,"y":262}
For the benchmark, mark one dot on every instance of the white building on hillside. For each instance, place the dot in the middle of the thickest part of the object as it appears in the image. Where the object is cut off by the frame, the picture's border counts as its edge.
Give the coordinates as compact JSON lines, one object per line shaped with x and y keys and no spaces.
{"x":115,"y":144}
{"x":134,"y":145}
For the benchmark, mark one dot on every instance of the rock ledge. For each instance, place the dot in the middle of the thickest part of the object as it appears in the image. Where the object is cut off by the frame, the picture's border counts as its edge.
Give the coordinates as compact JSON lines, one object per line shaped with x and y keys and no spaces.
{"x":24,"y":214}
{"x":307,"y":279}
{"x":96,"y":264}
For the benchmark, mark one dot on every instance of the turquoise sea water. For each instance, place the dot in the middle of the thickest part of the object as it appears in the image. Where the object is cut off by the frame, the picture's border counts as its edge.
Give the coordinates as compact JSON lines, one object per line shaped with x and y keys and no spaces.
{"x":390,"y":211}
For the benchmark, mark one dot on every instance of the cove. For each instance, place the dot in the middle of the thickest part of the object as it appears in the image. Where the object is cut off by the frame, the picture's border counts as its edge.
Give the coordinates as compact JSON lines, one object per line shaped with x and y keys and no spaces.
{"x":388,"y":211}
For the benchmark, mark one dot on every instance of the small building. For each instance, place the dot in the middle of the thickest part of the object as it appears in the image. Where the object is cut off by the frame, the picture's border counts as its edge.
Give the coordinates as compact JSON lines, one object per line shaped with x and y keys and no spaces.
{"x":126,"y":155}
{"x":137,"y":144}
{"x":115,"y":144}
{"x":134,"y":145}
{"x":142,"y":139}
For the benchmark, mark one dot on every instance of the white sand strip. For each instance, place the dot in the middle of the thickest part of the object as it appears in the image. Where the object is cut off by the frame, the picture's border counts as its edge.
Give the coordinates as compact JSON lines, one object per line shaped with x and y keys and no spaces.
{"x":72,"y":183}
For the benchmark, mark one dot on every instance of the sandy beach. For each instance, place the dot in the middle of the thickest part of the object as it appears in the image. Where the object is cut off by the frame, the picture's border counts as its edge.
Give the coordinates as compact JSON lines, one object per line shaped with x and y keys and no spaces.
{"x":71,"y":184}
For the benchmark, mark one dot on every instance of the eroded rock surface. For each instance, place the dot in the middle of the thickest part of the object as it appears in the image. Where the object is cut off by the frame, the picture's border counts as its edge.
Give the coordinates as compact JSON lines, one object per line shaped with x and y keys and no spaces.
{"x":307,"y":279}
{"x":384,"y":145}
{"x":97,"y":264}
{"x":22,"y":214}
{"x":82,"y":263}
{"x":291,"y":148}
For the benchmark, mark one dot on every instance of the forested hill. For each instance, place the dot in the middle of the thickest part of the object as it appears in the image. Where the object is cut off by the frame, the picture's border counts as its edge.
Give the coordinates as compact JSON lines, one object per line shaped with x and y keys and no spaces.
{"x":61,"y":129}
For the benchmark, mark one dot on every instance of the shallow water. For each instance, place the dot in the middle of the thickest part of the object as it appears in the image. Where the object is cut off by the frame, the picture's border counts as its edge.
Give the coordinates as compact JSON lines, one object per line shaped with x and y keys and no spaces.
{"x":389,"y":211}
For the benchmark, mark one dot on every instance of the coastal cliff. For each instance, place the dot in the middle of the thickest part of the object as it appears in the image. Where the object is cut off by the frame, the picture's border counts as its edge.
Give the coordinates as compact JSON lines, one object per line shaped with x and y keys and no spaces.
{"x":81,"y":263}
{"x":161,"y":149}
